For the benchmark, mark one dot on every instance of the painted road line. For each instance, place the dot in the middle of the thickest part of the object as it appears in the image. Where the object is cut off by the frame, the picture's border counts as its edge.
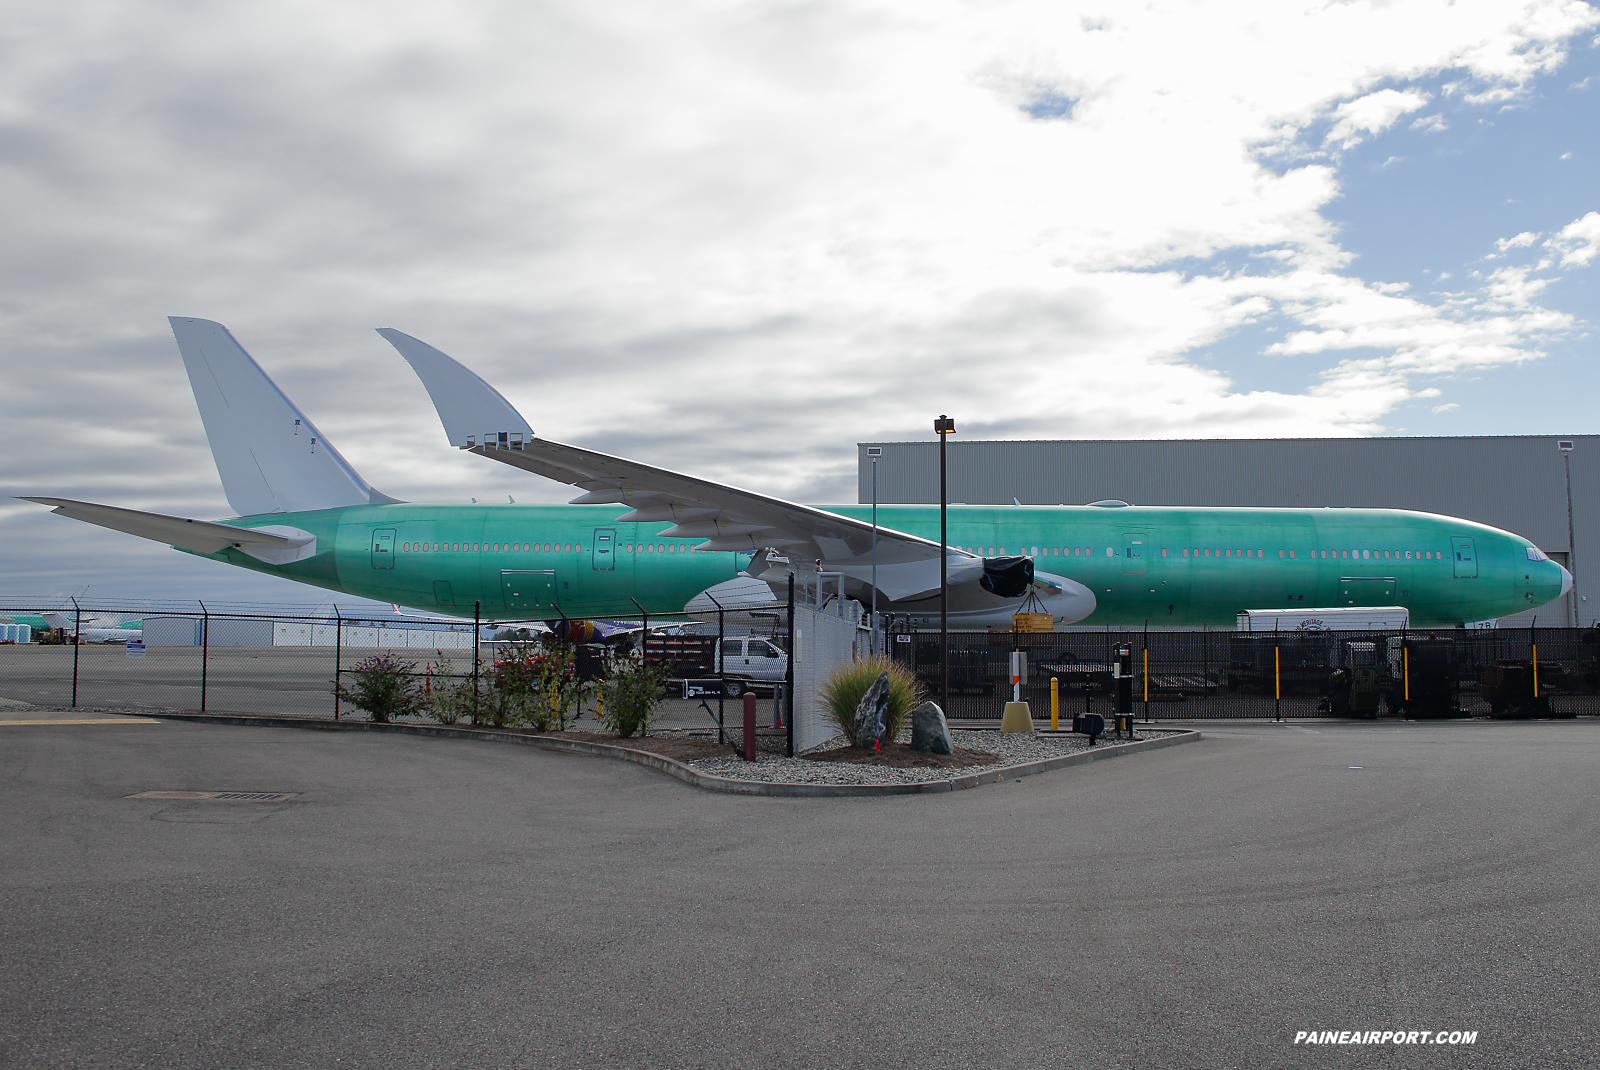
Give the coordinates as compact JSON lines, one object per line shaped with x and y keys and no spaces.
{"x":84,"y":720}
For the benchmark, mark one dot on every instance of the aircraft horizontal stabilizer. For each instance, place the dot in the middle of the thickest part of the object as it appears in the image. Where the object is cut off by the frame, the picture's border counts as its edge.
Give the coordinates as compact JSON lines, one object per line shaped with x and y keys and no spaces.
{"x":276,"y":545}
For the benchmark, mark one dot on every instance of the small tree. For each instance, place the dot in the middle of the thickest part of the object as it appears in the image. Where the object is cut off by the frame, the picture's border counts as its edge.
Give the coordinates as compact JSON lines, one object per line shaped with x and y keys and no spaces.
{"x":849,"y":683}
{"x":630,"y":695}
{"x":385,"y":687}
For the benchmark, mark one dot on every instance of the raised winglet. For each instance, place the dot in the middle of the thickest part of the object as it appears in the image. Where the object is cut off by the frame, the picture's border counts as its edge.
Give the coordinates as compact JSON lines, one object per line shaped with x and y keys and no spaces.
{"x":271,"y":457}
{"x":473,"y":412}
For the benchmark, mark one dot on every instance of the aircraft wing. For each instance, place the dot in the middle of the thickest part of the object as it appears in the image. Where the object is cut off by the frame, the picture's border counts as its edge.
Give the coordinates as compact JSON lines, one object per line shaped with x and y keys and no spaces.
{"x":199,"y":536}
{"x":478,"y":419}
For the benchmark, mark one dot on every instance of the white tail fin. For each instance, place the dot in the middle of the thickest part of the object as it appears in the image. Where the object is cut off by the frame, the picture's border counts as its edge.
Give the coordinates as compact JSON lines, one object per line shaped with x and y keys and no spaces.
{"x":271,"y":458}
{"x":472,"y":411}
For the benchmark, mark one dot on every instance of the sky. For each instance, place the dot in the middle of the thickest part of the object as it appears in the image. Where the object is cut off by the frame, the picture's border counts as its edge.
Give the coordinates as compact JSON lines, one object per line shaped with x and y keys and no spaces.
{"x":735,"y":239}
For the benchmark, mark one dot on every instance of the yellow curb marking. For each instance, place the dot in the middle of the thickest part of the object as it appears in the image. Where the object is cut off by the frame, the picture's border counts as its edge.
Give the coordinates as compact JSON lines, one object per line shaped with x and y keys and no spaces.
{"x":86,"y":720}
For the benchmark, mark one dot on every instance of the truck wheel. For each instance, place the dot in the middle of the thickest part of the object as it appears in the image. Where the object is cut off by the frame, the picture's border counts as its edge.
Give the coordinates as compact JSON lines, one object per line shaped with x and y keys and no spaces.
{"x":733,"y":688}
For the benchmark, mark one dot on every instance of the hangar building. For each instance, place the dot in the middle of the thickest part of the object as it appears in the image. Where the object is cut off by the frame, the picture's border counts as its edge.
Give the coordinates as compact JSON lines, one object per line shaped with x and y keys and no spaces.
{"x":1514,"y":482}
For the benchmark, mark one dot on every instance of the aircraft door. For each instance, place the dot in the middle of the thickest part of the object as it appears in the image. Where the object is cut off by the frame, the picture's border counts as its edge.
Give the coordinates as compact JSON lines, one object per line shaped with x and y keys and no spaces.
{"x":604,"y":554}
{"x":1133,"y":551}
{"x":383,"y":548}
{"x":529,"y":590}
{"x":1466,"y":557}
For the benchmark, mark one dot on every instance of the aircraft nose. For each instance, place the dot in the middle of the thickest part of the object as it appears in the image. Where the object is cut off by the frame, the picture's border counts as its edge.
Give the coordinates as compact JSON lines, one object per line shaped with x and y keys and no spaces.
{"x":1566,"y":579}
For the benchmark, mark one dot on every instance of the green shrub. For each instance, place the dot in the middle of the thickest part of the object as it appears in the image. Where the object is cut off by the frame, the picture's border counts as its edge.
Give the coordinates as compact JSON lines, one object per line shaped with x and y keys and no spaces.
{"x":538,"y":687}
{"x":448,"y":697}
{"x":848,"y":683}
{"x":385,"y":687}
{"x":629,"y":697}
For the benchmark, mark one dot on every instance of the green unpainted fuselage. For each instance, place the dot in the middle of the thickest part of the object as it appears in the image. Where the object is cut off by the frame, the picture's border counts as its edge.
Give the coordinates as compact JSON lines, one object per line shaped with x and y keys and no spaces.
{"x":1167,"y":566}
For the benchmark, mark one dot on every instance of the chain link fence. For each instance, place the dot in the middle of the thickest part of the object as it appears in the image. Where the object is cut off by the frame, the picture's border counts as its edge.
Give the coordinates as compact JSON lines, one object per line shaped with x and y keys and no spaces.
{"x":1186,"y":675}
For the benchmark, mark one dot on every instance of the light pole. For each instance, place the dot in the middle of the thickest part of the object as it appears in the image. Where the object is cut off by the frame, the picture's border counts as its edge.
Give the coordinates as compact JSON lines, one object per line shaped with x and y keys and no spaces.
{"x":874,"y":452}
{"x":943,"y":427}
{"x":1565,"y":447}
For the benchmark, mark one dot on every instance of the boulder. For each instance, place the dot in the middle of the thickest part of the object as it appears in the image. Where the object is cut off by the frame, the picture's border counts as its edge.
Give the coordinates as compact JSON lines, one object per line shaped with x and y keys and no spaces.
{"x":871,"y":712}
{"x":929,"y":733}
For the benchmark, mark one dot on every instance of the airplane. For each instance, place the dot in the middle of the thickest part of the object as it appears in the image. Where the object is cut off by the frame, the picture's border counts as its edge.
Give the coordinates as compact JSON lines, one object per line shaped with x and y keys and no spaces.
{"x":639,"y":540}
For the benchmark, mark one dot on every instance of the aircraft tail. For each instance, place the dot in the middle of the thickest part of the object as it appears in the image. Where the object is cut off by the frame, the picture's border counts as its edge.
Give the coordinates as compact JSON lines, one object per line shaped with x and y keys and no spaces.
{"x":271,"y":458}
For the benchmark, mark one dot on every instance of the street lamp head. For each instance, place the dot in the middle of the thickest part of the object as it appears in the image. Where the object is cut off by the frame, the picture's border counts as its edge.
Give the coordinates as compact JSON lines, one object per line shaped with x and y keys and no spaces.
{"x":944,"y":425}
{"x":1564,"y":446}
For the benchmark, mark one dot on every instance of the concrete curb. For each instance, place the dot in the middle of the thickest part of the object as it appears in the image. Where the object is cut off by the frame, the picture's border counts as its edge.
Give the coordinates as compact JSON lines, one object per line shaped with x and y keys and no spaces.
{"x":726,"y":785}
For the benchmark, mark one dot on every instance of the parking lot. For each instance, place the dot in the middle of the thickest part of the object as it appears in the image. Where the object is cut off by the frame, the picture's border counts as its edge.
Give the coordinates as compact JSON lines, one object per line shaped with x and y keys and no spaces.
{"x":441,"y":903}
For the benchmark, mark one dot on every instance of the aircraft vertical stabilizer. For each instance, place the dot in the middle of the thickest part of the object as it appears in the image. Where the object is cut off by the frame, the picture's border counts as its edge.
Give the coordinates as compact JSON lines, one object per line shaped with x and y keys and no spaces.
{"x":271,"y":458}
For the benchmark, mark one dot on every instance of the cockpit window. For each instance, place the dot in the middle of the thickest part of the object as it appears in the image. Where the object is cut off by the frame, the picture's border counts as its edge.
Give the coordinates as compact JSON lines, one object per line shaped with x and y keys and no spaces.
{"x":1536,"y":554}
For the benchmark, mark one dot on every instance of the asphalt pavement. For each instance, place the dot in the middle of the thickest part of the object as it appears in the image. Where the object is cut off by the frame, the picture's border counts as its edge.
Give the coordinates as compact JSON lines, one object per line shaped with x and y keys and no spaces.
{"x":442,"y":903}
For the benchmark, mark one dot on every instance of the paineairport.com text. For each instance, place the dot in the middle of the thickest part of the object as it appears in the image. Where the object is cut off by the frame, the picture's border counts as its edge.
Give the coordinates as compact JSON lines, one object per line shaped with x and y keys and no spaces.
{"x":1386,"y":1036}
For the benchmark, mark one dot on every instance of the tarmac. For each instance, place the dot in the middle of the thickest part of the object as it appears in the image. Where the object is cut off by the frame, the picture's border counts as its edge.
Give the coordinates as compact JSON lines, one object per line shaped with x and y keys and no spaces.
{"x":427,"y":902}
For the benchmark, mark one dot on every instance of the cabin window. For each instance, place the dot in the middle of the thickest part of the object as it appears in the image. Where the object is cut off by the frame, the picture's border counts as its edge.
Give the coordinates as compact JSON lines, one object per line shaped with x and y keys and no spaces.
{"x":1163,"y":551}
{"x":1208,"y":552}
{"x":1281,"y":553}
{"x":1227,"y":553}
{"x":1291,"y":555}
{"x":1035,"y":551}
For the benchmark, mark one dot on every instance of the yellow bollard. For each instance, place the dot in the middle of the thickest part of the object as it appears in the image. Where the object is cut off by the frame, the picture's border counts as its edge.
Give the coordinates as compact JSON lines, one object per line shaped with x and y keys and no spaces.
{"x":1055,"y":704}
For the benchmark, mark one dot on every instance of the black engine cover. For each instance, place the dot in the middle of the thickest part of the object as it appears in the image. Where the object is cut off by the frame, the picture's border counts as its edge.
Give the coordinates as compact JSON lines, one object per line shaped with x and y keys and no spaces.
{"x":1007,"y":577}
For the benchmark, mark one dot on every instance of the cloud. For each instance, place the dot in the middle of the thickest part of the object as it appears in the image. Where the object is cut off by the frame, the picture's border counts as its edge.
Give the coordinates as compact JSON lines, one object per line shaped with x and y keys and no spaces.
{"x":1431,"y":124}
{"x":1451,"y":407}
{"x":1578,"y":241}
{"x":726,"y":239}
{"x":1527,"y":237}
{"x":1373,"y":114}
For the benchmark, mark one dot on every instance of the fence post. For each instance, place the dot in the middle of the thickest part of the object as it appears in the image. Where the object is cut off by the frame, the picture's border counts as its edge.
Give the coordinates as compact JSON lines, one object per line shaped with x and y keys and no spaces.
{"x":722,"y":678}
{"x":788,"y":672}
{"x":205,"y":651}
{"x":77,"y":637}
{"x":338,"y":656}
{"x":477,"y":616}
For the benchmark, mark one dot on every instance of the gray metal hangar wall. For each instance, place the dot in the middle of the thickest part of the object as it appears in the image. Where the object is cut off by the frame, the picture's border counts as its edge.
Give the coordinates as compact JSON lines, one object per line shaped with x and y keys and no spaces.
{"x":1514,"y":482}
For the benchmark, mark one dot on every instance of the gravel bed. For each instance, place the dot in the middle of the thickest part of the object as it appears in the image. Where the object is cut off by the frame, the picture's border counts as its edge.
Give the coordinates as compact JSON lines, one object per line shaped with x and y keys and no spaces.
{"x":1012,"y":748}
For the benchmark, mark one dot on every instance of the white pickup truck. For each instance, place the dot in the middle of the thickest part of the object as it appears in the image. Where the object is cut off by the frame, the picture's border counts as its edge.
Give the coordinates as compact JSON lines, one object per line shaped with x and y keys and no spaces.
{"x":753,"y":660}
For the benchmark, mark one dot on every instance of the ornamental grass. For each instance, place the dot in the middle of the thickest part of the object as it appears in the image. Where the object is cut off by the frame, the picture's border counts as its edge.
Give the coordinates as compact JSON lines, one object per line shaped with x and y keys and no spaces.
{"x":848,"y":683}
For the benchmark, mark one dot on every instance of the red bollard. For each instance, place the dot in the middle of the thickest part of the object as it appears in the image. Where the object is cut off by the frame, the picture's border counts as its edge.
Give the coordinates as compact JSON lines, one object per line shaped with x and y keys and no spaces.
{"x":749,"y":727}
